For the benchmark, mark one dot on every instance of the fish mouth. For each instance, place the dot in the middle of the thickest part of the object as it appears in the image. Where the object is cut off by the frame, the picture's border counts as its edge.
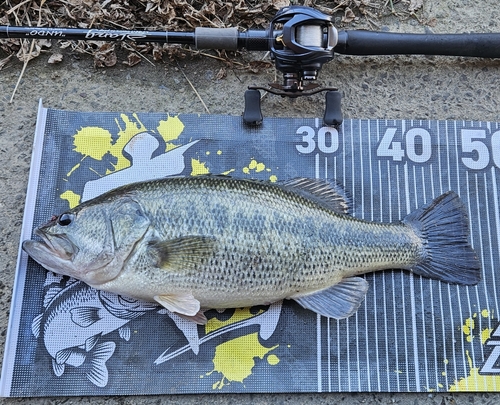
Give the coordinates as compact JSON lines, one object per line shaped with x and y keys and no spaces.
{"x":53,"y":252}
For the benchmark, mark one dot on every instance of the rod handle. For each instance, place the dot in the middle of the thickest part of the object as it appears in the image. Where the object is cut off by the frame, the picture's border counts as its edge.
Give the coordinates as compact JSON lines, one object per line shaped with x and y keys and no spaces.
{"x":216,"y":38}
{"x":360,"y":42}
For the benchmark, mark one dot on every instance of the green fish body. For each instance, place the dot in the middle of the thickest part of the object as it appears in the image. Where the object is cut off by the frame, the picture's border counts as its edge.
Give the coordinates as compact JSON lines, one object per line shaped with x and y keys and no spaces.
{"x":194,"y":243}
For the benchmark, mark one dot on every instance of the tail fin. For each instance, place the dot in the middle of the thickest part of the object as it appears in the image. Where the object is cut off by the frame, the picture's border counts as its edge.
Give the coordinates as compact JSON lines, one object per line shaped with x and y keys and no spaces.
{"x":444,"y":228}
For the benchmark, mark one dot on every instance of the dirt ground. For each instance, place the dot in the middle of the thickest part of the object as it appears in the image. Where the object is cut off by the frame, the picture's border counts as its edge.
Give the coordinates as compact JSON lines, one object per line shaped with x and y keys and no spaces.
{"x":401,"y":87}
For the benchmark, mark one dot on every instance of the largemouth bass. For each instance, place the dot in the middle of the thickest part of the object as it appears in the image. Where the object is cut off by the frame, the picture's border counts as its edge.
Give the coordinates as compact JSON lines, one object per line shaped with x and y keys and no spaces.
{"x":194,"y":243}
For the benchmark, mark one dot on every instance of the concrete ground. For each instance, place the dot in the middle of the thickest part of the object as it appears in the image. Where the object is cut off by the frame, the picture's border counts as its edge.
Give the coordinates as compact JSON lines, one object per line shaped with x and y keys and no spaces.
{"x":373,"y":87}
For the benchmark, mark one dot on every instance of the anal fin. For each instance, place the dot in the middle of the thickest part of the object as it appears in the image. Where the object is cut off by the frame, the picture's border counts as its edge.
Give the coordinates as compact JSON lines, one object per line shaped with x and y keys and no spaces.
{"x":199,"y":318}
{"x":339,"y":301}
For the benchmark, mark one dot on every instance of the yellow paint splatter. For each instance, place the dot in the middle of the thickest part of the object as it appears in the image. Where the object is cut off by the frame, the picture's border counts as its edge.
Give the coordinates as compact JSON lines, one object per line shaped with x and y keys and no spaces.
{"x":485,"y":335}
{"x":207,"y":152}
{"x":227,"y":172}
{"x":73,"y":169}
{"x":198,"y":168}
{"x":470,"y":324}
{"x":170,"y":129}
{"x":255,"y":166}
{"x":273,"y":178}
{"x":468,"y":328}
{"x":92,"y":141}
{"x":272,"y":359}
{"x":132,"y":128}
{"x":219,"y":152}
{"x":72,"y":198}
{"x":475,"y":381}
{"x":240,"y":314}
{"x":235,"y":359}
{"x":96,"y":142}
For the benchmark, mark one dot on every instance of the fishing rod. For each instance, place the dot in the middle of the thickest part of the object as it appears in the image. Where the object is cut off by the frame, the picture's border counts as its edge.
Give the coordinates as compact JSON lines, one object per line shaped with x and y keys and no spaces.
{"x":300,"y":40}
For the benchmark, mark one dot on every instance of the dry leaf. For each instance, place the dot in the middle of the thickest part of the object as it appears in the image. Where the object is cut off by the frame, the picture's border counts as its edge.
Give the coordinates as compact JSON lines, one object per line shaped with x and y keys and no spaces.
{"x":55,"y":58}
{"x":24,"y":54}
{"x":105,"y":56}
{"x":45,"y":43}
{"x":349,"y":16}
{"x":132,"y":59}
{"x":221,"y":74}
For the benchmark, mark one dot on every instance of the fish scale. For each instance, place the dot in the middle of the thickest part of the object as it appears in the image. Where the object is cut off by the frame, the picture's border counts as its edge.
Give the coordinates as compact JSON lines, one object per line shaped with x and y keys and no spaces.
{"x":217,"y":242}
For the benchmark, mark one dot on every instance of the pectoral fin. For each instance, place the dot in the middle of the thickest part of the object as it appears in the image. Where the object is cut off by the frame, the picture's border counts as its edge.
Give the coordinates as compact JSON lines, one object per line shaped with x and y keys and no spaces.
{"x":182,"y":304}
{"x":183,"y":253}
{"x":339,"y":301}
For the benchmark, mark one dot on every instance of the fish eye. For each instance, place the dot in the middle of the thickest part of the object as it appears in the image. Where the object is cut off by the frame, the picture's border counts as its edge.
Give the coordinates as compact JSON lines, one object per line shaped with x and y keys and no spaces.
{"x":65,"y":219}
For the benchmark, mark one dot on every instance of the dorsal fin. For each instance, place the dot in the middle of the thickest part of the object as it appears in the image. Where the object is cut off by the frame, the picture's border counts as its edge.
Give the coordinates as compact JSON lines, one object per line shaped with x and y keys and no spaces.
{"x":327,"y":193}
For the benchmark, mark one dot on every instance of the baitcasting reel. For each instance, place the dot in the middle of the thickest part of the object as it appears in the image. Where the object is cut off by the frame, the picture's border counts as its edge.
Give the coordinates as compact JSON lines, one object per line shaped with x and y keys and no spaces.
{"x":301,"y":40}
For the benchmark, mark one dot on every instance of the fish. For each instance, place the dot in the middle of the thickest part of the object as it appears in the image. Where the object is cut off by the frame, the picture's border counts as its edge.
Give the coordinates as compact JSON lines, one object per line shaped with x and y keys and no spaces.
{"x":215,"y":242}
{"x":86,"y":315}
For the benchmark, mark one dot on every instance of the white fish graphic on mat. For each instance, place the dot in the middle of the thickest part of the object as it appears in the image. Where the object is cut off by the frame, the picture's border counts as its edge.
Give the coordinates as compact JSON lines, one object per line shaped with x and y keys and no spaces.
{"x":75,"y":319}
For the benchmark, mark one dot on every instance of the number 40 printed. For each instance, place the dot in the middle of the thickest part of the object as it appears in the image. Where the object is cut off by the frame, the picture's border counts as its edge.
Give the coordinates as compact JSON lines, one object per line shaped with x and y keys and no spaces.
{"x":477,"y":151}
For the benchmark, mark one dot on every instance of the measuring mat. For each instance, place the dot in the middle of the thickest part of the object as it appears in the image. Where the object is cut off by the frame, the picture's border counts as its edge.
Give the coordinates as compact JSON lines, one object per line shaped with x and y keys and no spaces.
{"x":409,"y":334}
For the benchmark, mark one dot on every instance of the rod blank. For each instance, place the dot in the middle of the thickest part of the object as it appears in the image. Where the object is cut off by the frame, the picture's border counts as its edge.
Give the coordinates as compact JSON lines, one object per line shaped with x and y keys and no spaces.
{"x":355,"y":42}
{"x":201,"y":38}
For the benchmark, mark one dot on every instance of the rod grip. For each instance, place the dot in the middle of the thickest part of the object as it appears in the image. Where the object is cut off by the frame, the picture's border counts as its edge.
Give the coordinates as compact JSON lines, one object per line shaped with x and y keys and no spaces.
{"x":216,"y":38}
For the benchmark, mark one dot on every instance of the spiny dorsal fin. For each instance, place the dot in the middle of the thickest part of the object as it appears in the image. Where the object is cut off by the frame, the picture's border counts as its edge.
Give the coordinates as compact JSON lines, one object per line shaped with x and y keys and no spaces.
{"x":183,"y":253}
{"x":327,"y":193}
